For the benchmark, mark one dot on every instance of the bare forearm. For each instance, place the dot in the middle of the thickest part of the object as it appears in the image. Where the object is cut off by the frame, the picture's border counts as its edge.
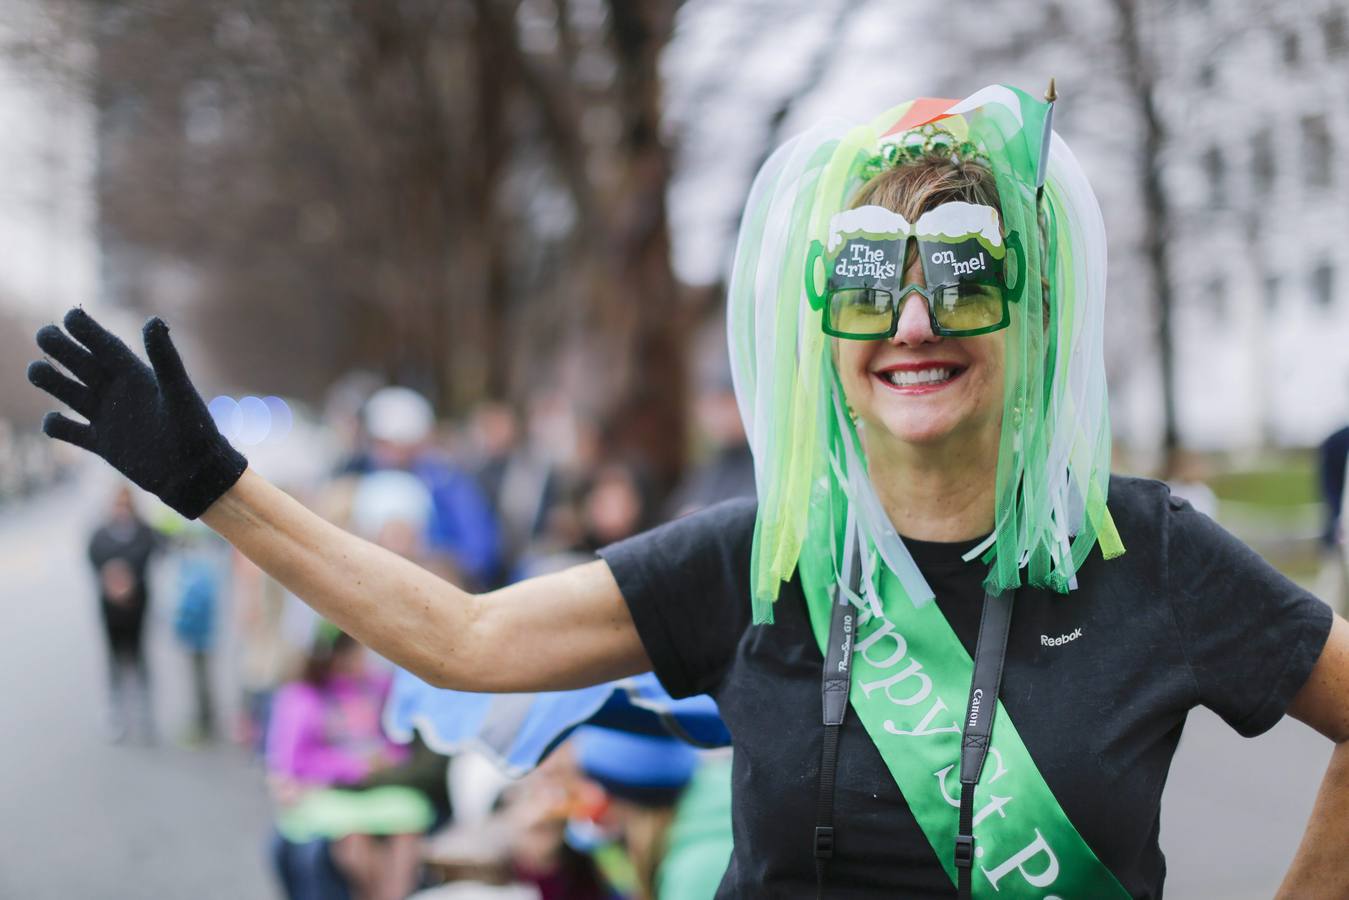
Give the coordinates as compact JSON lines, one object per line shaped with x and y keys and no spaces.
{"x":1321,"y":866}
{"x":403,"y":612}
{"x":562,"y":630}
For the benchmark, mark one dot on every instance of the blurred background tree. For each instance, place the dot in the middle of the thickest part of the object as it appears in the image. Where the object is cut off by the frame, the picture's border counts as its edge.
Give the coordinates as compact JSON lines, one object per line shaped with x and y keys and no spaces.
{"x":464,"y":195}
{"x":493,"y":198}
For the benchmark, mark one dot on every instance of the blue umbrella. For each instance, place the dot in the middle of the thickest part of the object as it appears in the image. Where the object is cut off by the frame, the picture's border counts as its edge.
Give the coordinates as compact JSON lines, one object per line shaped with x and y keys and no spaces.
{"x":518,"y":730}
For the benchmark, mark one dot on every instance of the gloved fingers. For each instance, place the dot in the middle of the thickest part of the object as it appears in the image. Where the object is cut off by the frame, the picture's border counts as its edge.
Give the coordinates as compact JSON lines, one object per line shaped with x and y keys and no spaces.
{"x":58,"y":426}
{"x":102,"y":343}
{"x":164,"y":357}
{"x":79,"y":361}
{"x":69,"y":391}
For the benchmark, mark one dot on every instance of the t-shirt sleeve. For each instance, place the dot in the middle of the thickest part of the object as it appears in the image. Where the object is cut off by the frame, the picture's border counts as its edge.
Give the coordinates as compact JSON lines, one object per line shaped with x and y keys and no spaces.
{"x":686,"y":584}
{"x":1250,"y":635}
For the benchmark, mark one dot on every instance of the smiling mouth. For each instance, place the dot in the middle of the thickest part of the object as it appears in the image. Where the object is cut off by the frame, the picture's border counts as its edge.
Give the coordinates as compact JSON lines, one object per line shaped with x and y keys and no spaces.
{"x":911,"y":381}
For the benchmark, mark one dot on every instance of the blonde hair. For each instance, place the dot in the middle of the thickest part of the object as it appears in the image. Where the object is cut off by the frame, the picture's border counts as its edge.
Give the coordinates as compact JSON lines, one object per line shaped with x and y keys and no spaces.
{"x":912,"y":188}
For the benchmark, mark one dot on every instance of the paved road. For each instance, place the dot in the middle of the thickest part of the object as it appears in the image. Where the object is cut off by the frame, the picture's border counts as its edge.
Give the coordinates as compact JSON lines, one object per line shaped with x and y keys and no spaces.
{"x":82,"y":819}
{"x":1235,"y":809}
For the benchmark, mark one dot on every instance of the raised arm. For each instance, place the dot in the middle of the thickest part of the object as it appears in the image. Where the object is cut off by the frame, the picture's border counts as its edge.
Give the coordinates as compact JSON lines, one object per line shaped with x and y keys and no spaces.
{"x":559,"y":631}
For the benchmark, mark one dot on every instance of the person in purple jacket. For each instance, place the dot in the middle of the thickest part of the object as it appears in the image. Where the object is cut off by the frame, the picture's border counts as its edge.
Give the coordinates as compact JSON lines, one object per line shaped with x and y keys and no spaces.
{"x":324,"y":742}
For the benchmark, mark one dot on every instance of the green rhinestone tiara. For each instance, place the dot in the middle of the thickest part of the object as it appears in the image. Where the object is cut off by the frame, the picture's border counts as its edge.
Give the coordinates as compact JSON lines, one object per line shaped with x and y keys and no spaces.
{"x":923,"y":142}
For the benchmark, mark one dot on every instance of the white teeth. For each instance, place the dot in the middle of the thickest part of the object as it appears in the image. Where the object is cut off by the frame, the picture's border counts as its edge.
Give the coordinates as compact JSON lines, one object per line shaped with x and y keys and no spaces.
{"x":922,"y":376}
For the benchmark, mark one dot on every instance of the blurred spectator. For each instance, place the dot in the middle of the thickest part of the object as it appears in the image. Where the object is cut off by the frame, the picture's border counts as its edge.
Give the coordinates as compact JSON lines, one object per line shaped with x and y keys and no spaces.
{"x":325,"y":736}
{"x":537,"y":809}
{"x":342,"y":415}
{"x":641,"y":777}
{"x":266,"y":657}
{"x":1333,"y":465}
{"x":120,"y":552}
{"x":617,"y":504}
{"x":728,"y":467}
{"x":612,"y":503}
{"x":11,"y":473}
{"x":400,"y":424}
{"x":201,"y":576}
{"x":393,"y":509}
{"x":698,"y":842}
{"x":572,"y":444}
{"x":669,"y":811}
{"x":519,"y":482}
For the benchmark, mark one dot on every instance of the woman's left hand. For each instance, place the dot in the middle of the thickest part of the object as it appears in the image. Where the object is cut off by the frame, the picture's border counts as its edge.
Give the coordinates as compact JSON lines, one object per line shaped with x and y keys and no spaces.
{"x":147,"y":421}
{"x":1321,"y":866}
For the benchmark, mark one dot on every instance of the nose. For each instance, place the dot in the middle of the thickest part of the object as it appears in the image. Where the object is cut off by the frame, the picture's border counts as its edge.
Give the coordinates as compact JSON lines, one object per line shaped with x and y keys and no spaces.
{"x":915,"y":326}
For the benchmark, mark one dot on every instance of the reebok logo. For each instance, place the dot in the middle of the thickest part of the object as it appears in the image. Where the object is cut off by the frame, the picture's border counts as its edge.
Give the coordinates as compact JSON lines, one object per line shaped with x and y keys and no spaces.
{"x":1047,"y":641}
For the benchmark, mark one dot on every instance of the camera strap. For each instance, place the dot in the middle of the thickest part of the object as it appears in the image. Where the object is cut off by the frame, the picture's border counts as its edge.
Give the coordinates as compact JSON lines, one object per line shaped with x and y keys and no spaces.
{"x":989,"y":655}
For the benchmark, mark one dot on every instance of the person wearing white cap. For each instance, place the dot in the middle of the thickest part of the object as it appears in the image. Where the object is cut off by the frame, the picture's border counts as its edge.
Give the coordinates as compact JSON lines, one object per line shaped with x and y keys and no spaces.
{"x":461,"y":527}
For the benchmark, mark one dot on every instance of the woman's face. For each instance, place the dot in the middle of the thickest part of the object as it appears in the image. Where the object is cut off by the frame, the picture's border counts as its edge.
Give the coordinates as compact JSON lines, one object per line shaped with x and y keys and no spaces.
{"x":922,"y":390}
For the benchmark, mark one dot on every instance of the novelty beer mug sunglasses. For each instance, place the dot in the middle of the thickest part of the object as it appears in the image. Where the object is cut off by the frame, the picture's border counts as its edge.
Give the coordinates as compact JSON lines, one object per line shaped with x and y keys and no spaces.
{"x":969,"y":272}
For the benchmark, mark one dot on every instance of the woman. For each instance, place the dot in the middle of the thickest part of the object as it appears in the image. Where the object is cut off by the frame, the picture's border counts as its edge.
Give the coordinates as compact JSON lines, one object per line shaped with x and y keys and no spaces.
{"x":920,"y":386}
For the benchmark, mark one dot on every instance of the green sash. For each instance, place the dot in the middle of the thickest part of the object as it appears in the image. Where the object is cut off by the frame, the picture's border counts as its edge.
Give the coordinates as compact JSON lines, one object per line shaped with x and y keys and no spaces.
{"x":910,"y":684}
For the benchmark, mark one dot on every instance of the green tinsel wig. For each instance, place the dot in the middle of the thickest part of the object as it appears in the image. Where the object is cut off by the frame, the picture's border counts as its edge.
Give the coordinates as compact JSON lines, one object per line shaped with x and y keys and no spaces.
{"x":815,"y":496}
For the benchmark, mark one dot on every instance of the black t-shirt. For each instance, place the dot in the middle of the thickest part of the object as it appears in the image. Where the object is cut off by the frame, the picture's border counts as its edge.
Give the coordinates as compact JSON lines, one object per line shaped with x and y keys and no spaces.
{"x":1098,"y":683}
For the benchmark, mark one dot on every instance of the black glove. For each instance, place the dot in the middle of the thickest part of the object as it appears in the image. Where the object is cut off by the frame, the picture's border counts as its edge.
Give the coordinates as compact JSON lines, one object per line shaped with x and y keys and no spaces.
{"x":151,"y":425}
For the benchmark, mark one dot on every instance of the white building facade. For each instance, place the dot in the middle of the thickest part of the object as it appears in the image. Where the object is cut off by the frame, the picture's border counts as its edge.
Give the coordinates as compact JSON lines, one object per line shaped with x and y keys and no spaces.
{"x":1260,"y":143}
{"x":1254,"y":98}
